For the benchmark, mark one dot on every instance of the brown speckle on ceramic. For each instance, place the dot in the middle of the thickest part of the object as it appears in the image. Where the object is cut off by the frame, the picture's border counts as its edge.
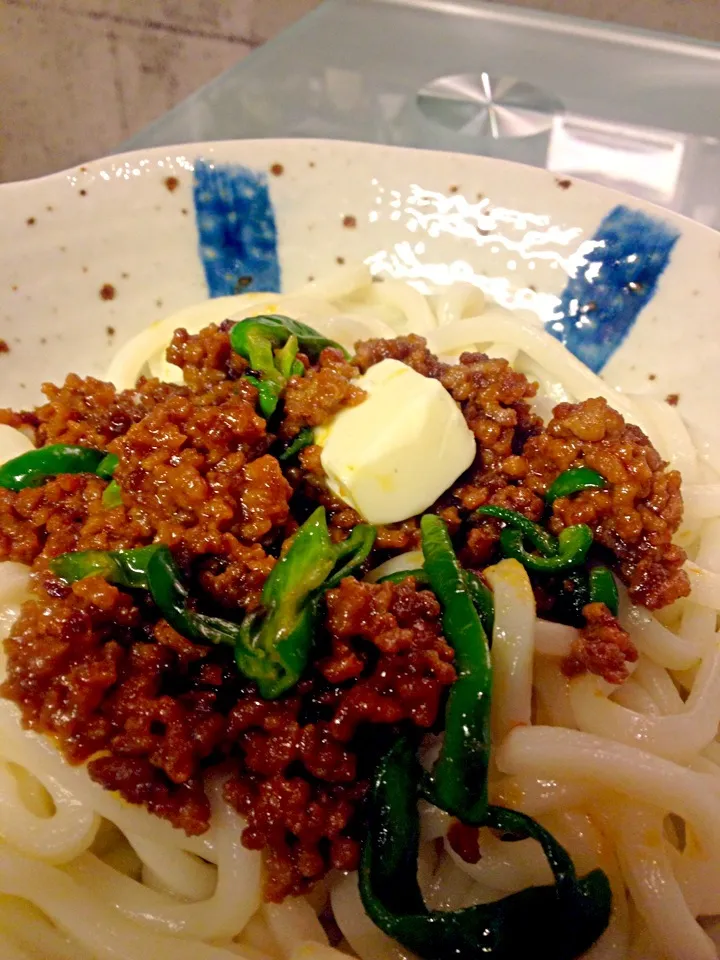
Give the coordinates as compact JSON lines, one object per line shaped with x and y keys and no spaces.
{"x":310,"y":278}
{"x":453,"y":188}
{"x":242,"y":283}
{"x":43,"y":341}
{"x":158,"y":302}
{"x":277,"y":169}
{"x":49,"y":208}
{"x":83,"y":192}
{"x":84,"y":269}
{"x":652,"y":376}
{"x":14,"y":288}
{"x":83,"y":169}
{"x":340,"y":260}
{"x":564,"y":184}
{"x":184,"y":211}
{"x":30,"y":221}
{"x":349,"y":221}
{"x":4,"y":348}
{"x":110,"y":331}
{"x":107,"y":292}
{"x":311,"y":163}
{"x":171,"y":184}
{"x":673,"y":399}
{"x":125,"y":276}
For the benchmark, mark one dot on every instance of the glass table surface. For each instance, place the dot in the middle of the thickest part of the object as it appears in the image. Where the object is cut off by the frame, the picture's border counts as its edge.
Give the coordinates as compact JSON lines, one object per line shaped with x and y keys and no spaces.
{"x":635,"y":110}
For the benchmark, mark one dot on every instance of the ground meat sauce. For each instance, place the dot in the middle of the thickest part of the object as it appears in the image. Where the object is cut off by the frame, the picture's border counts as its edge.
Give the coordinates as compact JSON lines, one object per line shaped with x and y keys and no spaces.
{"x":602,"y":647}
{"x":151,"y":713}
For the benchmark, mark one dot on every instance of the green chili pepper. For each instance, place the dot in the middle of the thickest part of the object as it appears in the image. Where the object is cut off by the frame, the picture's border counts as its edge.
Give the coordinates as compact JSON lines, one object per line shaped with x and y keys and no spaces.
{"x":482,"y":596}
{"x":459,"y":780}
{"x":544,"y":542}
{"x":270,"y":345}
{"x":252,"y":337}
{"x":302,"y":440}
{"x":112,"y":495}
{"x":560,"y":921}
{"x":573,"y":481}
{"x":34,"y":467}
{"x":107,"y":466}
{"x":268,"y":394}
{"x":419,"y":574}
{"x":573,"y":546}
{"x":172,"y":599}
{"x":603,"y":589}
{"x":275,"y":644}
{"x":575,"y":595}
{"x":124,"y":568}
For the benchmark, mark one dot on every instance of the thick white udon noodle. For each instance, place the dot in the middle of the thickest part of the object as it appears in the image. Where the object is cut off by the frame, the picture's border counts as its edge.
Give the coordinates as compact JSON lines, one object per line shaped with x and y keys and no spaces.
{"x":627,"y":778}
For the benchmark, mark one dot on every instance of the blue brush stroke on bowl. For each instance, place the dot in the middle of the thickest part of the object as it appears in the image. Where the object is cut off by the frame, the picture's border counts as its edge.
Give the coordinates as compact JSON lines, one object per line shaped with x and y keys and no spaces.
{"x":236,"y":229}
{"x":599,"y":306}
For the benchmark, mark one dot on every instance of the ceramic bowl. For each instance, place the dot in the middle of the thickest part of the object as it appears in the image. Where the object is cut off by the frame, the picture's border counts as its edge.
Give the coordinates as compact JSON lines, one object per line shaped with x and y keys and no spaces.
{"x":90,"y":256}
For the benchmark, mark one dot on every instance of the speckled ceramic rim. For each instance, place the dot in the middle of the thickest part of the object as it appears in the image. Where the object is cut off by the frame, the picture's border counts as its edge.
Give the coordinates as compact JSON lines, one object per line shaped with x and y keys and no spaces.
{"x":93,"y":254}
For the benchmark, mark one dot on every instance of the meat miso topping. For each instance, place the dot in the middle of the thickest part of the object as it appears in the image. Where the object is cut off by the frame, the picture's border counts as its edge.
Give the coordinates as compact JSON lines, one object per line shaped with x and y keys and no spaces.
{"x":201,"y":470}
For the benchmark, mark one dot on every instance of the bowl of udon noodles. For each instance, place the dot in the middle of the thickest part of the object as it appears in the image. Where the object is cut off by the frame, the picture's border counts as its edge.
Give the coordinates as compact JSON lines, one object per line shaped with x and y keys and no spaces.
{"x":359,"y":562}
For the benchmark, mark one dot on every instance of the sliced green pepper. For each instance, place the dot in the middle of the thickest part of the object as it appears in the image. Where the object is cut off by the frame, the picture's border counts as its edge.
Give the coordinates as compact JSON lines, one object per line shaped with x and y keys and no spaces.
{"x":544,"y":542}
{"x":419,"y":574}
{"x":112,"y":495}
{"x":270,"y":344}
{"x":107,"y":466}
{"x":459,"y":779}
{"x":302,"y":440}
{"x":482,"y":596}
{"x":603,"y":589}
{"x":573,"y":546}
{"x":268,"y":394}
{"x":560,"y":921}
{"x":252,"y":338}
{"x":573,"y":481}
{"x":275,"y":644}
{"x":36,"y":466}
{"x":125,"y":568}
{"x":573,"y":599}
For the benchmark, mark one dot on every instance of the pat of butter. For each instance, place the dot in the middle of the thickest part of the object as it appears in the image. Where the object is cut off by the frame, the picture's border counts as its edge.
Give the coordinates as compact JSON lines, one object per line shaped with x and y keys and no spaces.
{"x":392,"y":456}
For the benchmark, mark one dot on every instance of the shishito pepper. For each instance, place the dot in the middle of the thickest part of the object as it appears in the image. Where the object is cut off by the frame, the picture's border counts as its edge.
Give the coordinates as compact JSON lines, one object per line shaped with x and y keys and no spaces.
{"x":573,"y":481}
{"x":302,"y":440}
{"x":553,"y":555}
{"x":271,"y":646}
{"x":573,"y":546}
{"x":36,"y":466}
{"x":459,"y":779}
{"x":275,"y":643}
{"x":125,"y":568}
{"x":270,"y":344}
{"x":560,"y":921}
{"x":603,"y":589}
